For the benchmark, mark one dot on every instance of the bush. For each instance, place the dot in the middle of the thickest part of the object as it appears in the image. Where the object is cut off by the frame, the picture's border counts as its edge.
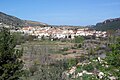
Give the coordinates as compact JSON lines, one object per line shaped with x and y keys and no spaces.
{"x":72,"y":62}
{"x":89,"y":77}
{"x":64,"y":49}
{"x":79,"y":45}
{"x":19,"y":38}
{"x":79,"y":69}
{"x":88,"y":67}
{"x":33,"y":69}
{"x":79,"y":39}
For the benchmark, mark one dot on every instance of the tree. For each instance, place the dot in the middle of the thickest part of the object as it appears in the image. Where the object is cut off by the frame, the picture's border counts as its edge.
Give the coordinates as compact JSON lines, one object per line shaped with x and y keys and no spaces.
{"x":10,"y":62}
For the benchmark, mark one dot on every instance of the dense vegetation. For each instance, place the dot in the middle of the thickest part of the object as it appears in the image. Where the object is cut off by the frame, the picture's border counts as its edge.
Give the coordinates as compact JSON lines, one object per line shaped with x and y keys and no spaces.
{"x":108,"y":25}
{"x":113,"y":58}
{"x":10,"y":58}
{"x":102,"y":69}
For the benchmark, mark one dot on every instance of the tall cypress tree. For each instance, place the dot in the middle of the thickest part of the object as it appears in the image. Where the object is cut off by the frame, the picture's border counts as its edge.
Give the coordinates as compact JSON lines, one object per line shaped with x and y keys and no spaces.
{"x":10,"y":58}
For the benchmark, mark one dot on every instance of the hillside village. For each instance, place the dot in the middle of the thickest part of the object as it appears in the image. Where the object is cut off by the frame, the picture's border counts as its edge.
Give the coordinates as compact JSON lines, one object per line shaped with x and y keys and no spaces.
{"x":60,"y":32}
{"x":64,"y":52}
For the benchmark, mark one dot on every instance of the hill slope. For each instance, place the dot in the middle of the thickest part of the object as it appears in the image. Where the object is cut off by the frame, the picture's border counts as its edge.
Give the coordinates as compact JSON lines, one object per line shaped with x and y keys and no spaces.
{"x":14,"y":21}
{"x":10,"y":20}
{"x":109,"y":24}
{"x":33,"y":23}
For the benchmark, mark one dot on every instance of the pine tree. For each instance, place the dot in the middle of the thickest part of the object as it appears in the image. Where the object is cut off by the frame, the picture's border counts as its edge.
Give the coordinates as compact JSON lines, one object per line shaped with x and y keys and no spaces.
{"x":10,"y":62}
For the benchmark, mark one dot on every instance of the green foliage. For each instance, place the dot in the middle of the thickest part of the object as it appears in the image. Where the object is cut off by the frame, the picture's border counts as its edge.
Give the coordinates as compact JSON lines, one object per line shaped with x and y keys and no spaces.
{"x":79,"y":39}
{"x":31,"y":37}
{"x":18,"y":38}
{"x":71,"y":62}
{"x":92,"y":51}
{"x":113,"y":58}
{"x":79,"y":69}
{"x":64,"y":49}
{"x":88,"y":67}
{"x":108,"y":26}
{"x":68,"y":63}
{"x":26,"y":74}
{"x":48,"y":72}
{"x":79,"y":46}
{"x":89,"y":77}
{"x":33,"y":69}
{"x":110,"y":66}
{"x":10,"y":62}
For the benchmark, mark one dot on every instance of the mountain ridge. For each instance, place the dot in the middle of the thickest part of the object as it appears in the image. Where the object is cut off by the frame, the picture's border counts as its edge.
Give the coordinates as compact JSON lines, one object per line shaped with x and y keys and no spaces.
{"x":109,"y":24}
{"x":14,"y":21}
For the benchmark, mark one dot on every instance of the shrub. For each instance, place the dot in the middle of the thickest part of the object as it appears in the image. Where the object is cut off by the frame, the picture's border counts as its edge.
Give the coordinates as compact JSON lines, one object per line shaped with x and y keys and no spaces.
{"x":79,"y":39}
{"x":88,"y":67}
{"x":64,"y":49}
